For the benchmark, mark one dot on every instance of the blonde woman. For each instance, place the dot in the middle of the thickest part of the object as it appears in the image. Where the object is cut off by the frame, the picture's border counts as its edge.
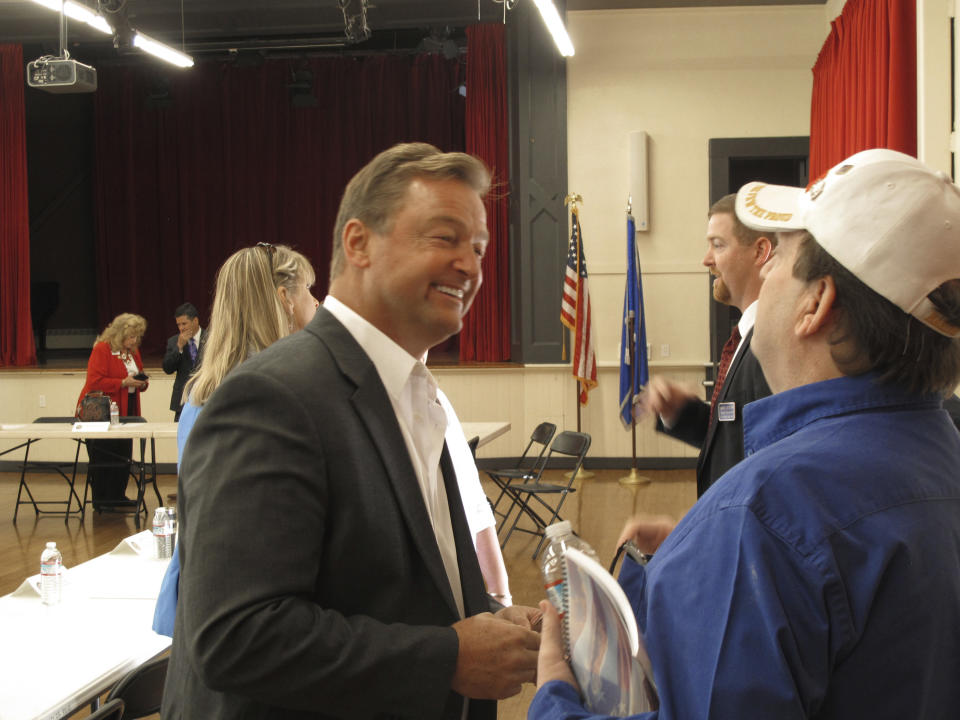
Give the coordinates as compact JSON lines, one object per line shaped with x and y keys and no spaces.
{"x":116,"y":369}
{"x":262,"y":294}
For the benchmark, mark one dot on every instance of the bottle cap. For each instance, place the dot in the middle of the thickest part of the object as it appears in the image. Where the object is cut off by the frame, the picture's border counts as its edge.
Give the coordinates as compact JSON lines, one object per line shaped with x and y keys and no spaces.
{"x":559,"y":528}
{"x":51,"y":544}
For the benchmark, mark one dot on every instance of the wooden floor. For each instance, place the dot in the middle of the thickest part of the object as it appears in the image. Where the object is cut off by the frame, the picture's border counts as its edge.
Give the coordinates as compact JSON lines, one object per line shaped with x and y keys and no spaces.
{"x":597,"y":510}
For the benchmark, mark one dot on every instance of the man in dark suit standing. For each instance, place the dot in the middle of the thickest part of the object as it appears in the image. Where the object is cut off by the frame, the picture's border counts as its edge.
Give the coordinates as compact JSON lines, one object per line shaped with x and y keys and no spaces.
{"x":735,"y":255}
{"x":327,"y":565}
{"x":183,"y":352}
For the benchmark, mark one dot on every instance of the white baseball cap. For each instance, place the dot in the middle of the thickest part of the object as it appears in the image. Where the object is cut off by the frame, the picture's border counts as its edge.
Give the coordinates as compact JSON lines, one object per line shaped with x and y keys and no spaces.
{"x":885,"y":216}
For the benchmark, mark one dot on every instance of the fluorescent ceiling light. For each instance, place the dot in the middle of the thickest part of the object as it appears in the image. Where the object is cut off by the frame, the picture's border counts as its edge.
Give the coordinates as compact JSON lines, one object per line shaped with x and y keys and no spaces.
{"x":80,"y":12}
{"x":164,"y":52}
{"x":555,"y":25}
{"x":54,"y":5}
{"x":84,"y":14}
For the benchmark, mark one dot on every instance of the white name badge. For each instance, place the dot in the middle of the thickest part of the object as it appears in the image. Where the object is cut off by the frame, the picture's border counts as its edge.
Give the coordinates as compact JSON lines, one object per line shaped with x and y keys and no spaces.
{"x":726,"y":411}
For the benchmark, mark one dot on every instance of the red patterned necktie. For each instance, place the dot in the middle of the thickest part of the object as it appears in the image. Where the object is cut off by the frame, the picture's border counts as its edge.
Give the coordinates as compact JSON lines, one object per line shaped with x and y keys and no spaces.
{"x":726,"y":357}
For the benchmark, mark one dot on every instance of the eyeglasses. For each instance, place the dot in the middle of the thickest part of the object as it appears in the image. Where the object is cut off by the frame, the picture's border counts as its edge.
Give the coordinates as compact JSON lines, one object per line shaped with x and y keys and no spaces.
{"x":270,"y":250}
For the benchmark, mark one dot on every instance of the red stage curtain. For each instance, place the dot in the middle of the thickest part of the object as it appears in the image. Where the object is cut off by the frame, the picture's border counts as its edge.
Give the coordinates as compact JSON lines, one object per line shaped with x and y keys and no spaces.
{"x":865,"y":83}
{"x":191,"y":166}
{"x":486,"y":331}
{"x":16,"y":329}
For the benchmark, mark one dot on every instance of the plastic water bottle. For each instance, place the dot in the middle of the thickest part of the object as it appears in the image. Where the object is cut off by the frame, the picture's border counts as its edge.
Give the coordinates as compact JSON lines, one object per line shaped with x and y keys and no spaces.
{"x":51,"y":575}
{"x":114,"y":413}
{"x":172,"y":525}
{"x":162,"y":533}
{"x":560,"y":537}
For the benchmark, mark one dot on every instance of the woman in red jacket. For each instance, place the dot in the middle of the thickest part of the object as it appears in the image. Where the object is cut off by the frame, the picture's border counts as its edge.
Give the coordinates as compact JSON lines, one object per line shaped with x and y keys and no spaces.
{"x":113,"y":365}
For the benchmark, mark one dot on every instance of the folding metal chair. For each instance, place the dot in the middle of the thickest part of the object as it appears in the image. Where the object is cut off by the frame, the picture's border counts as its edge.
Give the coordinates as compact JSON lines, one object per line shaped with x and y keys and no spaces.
{"x":141,"y":689}
{"x":48,"y":466}
{"x":112,"y":710}
{"x":570,"y":443}
{"x":526,"y":469}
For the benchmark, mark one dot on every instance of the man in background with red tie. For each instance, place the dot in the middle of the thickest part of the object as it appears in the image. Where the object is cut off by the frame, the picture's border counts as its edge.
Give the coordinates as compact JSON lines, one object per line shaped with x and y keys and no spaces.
{"x":183,"y":352}
{"x":735,"y":255}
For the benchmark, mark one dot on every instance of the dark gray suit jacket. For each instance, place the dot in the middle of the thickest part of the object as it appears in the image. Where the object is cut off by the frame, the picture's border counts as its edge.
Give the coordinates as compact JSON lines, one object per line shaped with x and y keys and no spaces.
{"x":311,"y":581}
{"x":180,"y":363}
{"x":721,"y":443}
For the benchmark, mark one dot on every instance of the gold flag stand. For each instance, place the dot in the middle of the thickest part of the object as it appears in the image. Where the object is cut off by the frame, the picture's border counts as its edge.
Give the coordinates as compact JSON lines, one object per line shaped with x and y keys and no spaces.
{"x":634,"y":478}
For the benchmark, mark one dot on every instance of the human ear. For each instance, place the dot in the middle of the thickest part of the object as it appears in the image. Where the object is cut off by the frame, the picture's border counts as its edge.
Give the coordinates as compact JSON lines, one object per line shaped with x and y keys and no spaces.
{"x":764,"y":249}
{"x":285,"y":298}
{"x":816,"y":305}
{"x":356,"y":243}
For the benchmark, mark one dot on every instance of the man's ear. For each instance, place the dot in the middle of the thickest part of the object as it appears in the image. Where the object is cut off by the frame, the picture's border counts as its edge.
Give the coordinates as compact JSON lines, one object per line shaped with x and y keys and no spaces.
{"x":356,"y":243}
{"x":763,"y":249}
{"x":816,"y":306}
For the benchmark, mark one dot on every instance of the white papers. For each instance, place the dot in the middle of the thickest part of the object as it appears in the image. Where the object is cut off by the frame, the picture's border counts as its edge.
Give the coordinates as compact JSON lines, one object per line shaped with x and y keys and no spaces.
{"x":606,"y":650}
{"x":141,"y":544}
{"x":31,"y":586}
{"x":90,"y":427}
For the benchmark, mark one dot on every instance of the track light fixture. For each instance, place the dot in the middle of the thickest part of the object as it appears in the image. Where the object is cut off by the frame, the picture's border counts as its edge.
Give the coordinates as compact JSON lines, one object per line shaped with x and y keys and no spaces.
{"x":355,"y":20}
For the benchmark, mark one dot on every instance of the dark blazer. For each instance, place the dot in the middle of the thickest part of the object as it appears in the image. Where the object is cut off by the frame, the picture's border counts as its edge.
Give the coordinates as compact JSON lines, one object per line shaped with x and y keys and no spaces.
{"x":311,"y":581}
{"x":175,"y":361}
{"x":721,"y":443}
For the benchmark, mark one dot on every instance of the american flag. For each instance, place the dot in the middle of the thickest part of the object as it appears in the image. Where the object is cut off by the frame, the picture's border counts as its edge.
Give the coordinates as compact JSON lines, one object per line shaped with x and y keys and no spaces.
{"x":575,"y":312}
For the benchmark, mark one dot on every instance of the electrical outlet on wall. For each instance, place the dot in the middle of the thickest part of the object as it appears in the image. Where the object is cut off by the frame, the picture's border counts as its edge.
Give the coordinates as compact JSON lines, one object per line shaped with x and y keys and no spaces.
{"x":665,"y":350}
{"x":42,"y":402}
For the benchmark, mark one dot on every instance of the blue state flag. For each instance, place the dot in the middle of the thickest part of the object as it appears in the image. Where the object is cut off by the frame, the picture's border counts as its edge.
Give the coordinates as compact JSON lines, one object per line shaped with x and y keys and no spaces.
{"x":633,"y":367}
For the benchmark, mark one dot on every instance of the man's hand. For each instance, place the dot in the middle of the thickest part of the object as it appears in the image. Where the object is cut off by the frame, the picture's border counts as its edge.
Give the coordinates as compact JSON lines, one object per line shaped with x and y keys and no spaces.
{"x":184,"y":337}
{"x":525,"y":617}
{"x":496,"y":657}
{"x":665,"y":398}
{"x":647,"y":531}
{"x":551,"y":664}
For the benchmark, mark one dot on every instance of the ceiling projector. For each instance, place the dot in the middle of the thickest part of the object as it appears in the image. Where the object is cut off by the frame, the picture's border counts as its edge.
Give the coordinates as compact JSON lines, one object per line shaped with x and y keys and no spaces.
{"x":59,"y":75}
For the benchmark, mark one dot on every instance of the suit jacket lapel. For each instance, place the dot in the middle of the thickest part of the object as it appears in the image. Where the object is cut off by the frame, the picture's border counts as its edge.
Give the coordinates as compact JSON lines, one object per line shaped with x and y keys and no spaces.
{"x":373,"y":405}
{"x":731,"y":372}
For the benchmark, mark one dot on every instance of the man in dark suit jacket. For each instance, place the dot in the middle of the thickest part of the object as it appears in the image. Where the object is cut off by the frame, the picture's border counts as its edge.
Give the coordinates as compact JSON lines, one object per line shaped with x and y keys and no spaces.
{"x":327,"y":565}
{"x":735,"y":256}
{"x":183,"y":353}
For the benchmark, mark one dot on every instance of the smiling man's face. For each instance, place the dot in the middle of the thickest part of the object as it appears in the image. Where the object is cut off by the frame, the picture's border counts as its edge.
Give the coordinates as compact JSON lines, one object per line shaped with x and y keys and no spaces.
{"x":425,"y":269}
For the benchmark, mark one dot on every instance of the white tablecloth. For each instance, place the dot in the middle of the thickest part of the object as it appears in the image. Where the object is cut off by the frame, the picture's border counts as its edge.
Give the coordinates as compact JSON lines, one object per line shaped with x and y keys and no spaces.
{"x":55,"y":659}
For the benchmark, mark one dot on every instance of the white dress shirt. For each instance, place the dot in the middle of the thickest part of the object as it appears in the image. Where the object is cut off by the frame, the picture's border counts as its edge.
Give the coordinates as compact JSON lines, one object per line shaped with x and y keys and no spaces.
{"x":745,"y":325}
{"x":413,"y":394}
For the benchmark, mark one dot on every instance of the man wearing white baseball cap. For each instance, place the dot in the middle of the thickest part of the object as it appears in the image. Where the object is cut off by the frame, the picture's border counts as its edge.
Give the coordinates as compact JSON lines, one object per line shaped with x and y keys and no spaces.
{"x":831,"y":554}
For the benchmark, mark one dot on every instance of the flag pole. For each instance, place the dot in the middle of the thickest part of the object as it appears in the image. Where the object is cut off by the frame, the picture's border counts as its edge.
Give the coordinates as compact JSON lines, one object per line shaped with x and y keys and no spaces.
{"x":573,"y":200}
{"x":633,"y":477}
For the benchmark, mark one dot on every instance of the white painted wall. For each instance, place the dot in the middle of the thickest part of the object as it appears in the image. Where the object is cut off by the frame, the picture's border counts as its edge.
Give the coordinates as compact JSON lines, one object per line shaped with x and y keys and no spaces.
{"x":684,"y":76}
